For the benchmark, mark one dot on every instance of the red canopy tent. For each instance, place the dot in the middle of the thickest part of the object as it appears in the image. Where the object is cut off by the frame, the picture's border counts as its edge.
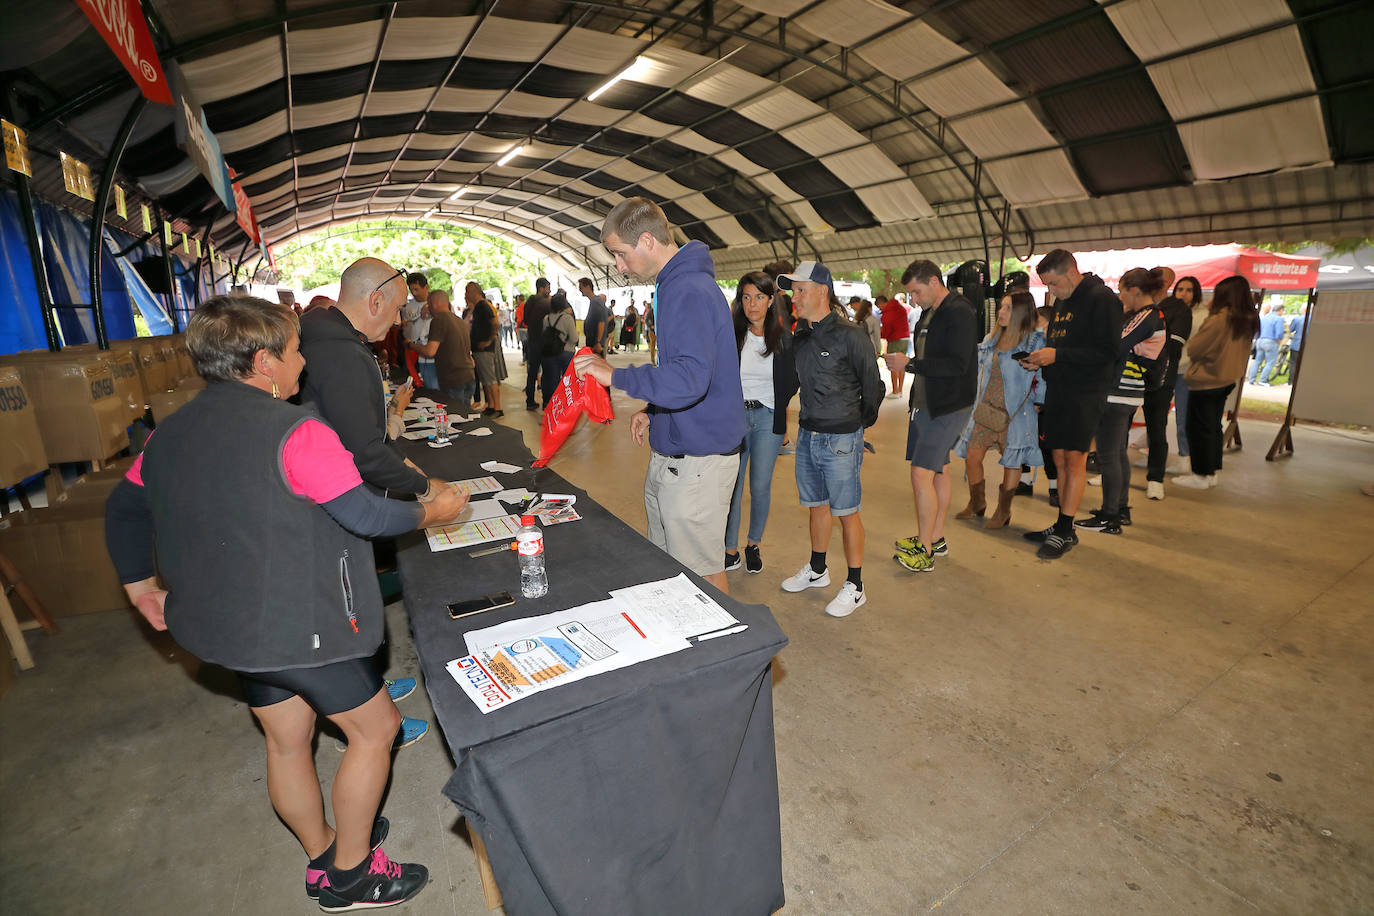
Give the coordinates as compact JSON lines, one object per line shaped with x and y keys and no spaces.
{"x":1211,"y":264}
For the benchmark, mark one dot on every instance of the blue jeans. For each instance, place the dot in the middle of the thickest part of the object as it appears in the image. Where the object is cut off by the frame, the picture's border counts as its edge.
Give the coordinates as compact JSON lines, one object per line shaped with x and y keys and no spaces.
{"x":760,"y":454}
{"x":1181,"y":415}
{"x":429,"y":374}
{"x":1266,"y":355}
{"x":828,"y":466}
{"x":460,"y":398}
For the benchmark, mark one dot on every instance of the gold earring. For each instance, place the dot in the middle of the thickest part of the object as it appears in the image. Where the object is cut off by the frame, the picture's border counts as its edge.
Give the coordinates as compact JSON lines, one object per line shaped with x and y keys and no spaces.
{"x":276,"y":392}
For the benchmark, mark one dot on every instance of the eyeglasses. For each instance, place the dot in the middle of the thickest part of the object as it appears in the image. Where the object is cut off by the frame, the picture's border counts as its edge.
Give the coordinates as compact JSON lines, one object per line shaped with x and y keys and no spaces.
{"x":399,"y":273}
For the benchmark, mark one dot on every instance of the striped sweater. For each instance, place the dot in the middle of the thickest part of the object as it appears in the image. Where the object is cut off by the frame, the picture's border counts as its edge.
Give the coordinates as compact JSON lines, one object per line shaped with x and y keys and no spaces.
{"x":1142,"y":345}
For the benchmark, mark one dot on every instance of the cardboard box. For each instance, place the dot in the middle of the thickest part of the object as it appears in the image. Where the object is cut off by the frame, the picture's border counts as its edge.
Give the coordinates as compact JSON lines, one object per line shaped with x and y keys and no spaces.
{"x":179,"y":358}
{"x":22,"y":454}
{"x":165,"y":403}
{"x":124,"y":366}
{"x":61,"y":554}
{"x":95,"y":486}
{"x":154,"y":356}
{"x":80,"y":416}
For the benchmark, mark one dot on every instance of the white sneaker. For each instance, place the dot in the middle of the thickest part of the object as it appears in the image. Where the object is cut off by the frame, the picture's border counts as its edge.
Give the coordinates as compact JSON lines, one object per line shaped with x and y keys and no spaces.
{"x":1141,"y":462}
{"x":1154,"y":490}
{"x":893,"y":394}
{"x":1095,"y":481}
{"x":1194,"y":482}
{"x":1213,"y":479}
{"x":849,"y":598}
{"x":806,"y":578}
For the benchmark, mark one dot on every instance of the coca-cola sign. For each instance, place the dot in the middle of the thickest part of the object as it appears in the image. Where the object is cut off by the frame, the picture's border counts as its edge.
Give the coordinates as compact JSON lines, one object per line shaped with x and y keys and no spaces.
{"x":121,"y":24}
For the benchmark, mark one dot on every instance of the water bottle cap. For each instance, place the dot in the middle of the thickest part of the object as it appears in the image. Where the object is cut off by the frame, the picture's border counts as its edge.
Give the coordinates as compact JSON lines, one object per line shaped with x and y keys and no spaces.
{"x":527,"y":519}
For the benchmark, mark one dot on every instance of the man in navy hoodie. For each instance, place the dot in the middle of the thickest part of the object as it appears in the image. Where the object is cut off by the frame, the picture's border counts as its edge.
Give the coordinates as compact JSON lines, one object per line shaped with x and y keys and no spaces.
{"x":695,"y":415}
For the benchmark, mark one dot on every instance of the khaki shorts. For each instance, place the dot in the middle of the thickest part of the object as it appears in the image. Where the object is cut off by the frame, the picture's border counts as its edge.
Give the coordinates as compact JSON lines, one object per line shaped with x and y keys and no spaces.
{"x":687,"y":501}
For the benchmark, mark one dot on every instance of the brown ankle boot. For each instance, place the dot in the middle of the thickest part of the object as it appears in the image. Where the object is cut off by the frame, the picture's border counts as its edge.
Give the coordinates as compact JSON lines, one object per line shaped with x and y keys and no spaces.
{"x":977,"y":500}
{"x":1002,"y":516}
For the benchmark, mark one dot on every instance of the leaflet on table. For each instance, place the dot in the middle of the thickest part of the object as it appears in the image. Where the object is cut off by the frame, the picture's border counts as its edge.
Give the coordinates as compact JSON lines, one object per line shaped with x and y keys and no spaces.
{"x":675,"y":606}
{"x":500,"y":467}
{"x":475,"y":485}
{"x":464,"y":534}
{"x":510,"y":661}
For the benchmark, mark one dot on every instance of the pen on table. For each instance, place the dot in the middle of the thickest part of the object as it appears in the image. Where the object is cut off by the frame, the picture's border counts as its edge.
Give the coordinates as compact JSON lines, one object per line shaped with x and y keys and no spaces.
{"x":730,"y":632}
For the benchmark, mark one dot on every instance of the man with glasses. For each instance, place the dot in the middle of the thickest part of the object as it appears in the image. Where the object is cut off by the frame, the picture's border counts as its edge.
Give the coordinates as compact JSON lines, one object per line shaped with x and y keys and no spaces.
{"x":343,"y":380}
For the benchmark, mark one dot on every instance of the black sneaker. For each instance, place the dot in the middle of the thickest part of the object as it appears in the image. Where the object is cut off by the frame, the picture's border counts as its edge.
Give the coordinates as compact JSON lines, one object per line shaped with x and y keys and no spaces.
{"x":531,"y":406}
{"x":1038,"y":537}
{"x":732,"y":561}
{"x":939,"y":548}
{"x":1025,"y":489}
{"x":386,"y":883}
{"x":315,"y":875}
{"x":1125,"y":517}
{"x":752,"y":561}
{"x":1054,"y":497}
{"x":1056,"y":545}
{"x":1096,"y":522}
{"x":1105,"y":524}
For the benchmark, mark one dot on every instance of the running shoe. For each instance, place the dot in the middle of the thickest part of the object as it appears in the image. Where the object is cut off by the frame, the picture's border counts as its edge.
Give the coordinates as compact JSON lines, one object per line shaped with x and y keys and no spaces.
{"x":399,"y":688}
{"x":753,"y":561}
{"x":805,"y":578}
{"x":411,"y":730}
{"x":920,"y":561}
{"x":315,"y":874}
{"x":386,"y":883}
{"x":732,"y":561}
{"x":850,"y":598}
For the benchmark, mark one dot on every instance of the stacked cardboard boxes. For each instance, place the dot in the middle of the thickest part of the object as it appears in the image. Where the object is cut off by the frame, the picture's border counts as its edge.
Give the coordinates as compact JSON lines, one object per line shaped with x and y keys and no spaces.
{"x":22,"y":455}
{"x":79,"y":412}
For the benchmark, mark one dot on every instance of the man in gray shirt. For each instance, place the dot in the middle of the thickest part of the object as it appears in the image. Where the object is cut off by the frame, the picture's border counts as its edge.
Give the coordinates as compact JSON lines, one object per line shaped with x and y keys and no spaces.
{"x":597,"y":316}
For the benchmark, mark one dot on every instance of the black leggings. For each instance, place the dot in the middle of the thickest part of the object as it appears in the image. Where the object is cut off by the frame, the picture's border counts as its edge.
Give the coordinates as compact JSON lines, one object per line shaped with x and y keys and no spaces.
{"x":1113,"y":431}
{"x":329,"y":689}
{"x":1205,"y":409}
{"x":1156,"y":411}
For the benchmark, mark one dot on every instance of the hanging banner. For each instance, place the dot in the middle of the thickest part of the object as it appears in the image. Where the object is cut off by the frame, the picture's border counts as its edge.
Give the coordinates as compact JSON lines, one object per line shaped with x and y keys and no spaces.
{"x":167,"y":235}
{"x":121,"y":205}
{"x":195,"y":137}
{"x":16,"y":148}
{"x":243,"y":210}
{"x":195,"y":248}
{"x":121,"y":24}
{"x":185,"y":243}
{"x":147,"y":219}
{"x":76,"y":176}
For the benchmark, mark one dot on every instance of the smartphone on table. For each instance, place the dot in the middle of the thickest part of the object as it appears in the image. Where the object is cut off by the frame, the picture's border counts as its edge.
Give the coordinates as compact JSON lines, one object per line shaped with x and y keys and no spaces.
{"x":470,"y":606}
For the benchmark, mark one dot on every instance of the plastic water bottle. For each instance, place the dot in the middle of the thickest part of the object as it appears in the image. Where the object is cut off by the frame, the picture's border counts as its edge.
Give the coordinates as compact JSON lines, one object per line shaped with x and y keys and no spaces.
{"x":529,"y":540}
{"x":440,"y":423}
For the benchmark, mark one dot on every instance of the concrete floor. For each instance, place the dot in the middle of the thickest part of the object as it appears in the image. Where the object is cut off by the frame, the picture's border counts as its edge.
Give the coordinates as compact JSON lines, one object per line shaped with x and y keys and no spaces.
{"x":1177,"y":720}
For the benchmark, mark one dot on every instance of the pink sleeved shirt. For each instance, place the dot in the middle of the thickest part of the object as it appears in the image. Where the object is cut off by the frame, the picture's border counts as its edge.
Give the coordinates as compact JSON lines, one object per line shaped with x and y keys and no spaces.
{"x":317,"y":465}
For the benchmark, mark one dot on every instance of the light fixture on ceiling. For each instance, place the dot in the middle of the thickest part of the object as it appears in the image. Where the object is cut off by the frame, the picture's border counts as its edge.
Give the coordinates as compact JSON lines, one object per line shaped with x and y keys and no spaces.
{"x":635,"y":69}
{"x":510,"y":155}
{"x":459,"y":193}
{"x":429,"y":213}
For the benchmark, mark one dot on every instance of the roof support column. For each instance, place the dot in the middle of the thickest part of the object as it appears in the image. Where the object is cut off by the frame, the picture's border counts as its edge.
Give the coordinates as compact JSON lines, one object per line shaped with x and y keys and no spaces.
{"x":102,"y":203}
{"x":171,"y":275}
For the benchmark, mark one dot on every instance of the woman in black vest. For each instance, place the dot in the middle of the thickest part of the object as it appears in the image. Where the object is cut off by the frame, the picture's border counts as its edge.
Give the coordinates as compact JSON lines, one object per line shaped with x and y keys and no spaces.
{"x":235,"y":531}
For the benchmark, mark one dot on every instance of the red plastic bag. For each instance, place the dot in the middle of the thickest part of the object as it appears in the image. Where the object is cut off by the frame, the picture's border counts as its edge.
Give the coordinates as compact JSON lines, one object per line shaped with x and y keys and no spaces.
{"x":573,"y":397}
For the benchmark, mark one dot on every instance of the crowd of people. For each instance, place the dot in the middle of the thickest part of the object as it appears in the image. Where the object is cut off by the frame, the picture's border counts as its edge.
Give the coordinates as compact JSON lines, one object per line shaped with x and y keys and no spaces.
{"x":300,"y":399}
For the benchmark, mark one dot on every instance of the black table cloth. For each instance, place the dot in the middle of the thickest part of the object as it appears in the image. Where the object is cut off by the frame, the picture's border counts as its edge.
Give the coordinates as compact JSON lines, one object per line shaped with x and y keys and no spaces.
{"x":651,"y":789}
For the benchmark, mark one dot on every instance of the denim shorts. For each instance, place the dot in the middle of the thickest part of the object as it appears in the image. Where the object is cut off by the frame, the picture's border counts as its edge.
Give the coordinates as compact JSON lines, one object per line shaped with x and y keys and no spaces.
{"x":828,"y":466}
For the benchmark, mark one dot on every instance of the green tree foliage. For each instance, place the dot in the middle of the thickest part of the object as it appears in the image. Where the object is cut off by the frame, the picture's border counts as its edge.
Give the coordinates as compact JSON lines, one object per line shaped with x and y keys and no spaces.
{"x":449,"y":256}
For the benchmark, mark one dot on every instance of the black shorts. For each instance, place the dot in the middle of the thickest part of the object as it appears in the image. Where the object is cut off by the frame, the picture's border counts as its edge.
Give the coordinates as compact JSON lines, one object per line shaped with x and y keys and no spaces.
{"x":1068,"y":419}
{"x":329,"y":689}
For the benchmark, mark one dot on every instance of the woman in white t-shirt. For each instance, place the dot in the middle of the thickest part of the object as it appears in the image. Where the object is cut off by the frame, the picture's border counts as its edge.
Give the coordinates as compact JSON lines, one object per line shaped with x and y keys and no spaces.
{"x":769,"y":378}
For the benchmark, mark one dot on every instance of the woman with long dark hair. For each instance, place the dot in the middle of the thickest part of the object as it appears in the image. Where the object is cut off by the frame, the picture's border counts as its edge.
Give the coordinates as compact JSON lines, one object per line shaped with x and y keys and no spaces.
{"x":1218,"y":353}
{"x":1005,"y":390}
{"x":1187,"y":290}
{"x":768,"y":377}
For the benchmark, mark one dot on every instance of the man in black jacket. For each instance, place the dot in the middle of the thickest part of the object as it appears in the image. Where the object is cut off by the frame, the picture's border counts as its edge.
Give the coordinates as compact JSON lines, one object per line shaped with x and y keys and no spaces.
{"x":840,"y":395}
{"x":536,"y":310}
{"x":1078,"y":365}
{"x":343,"y":380}
{"x":944,"y":385}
